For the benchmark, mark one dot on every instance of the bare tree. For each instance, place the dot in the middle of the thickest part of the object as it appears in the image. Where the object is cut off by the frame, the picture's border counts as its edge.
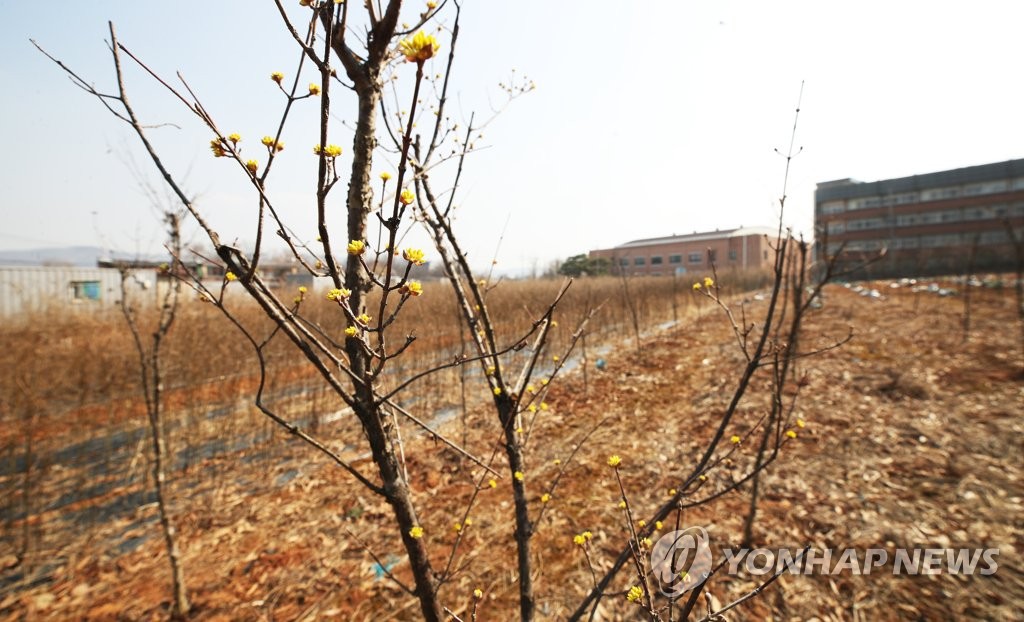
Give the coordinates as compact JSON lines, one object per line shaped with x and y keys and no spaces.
{"x":152,"y":380}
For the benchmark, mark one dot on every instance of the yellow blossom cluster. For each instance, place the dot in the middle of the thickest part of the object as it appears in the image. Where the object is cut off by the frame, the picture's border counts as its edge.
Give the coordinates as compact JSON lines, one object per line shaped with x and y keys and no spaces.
{"x":331,"y":151}
{"x":406,"y":197}
{"x":582,"y":538}
{"x":351,"y":331}
{"x":277,"y":76}
{"x":414,"y":256}
{"x":385,"y":176}
{"x":416,"y":532}
{"x":356,"y":247}
{"x":273,"y":145}
{"x":614,"y":461}
{"x":314,"y":88}
{"x":412,"y":288}
{"x":419,"y":47}
{"x":230,"y":276}
{"x":338,"y":294}
{"x":634,"y":594}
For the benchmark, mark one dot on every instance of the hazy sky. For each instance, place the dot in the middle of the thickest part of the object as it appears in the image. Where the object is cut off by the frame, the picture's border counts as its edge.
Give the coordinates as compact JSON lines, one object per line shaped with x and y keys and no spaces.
{"x":649,"y":118}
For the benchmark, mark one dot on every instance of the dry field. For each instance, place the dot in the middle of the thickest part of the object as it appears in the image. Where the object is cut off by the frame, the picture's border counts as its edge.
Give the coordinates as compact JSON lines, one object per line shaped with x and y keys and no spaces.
{"x":913,"y":438}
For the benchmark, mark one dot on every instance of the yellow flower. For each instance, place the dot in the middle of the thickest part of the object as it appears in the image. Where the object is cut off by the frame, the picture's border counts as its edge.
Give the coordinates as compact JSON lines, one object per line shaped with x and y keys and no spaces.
{"x":492,"y":483}
{"x":478,"y":593}
{"x":413,"y":288}
{"x":431,"y":5}
{"x":622,"y":504}
{"x":469,"y":521}
{"x":641,"y":523}
{"x":658,"y":525}
{"x":735,"y":440}
{"x":518,"y":475}
{"x":671,"y":492}
{"x":696,"y":286}
{"x":554,"y":358}
{"x":356,"y":247}
{"x":544,"y":498}
{"x":635,"y":594}
{"x":579,"y":540}
{"x":457,"y":527}
{"x":217,"y":148}
{"x":234,"y":137}
{"x":800,"y":423}
{"x":230,"y":276}
{"x":556,"y":461}
{"x":497,"y":390}
{"x":791,"y":433}
{"x":587,"y":535}
{"x":277,"y":76}
{"x":302,"y":289}
{"x":406,"y":197}
{"x":385,"y":176}
{"x":365,"y":319}
{"x":419,"y":47}
{"x":267,"y":140}
{"x":338,"y":294}
{"x":252,"y":165}
{"x":544,"y":382}
{"x":645,"y":542}
{"x":332,"y":151}
{"x":702,"y":477}
{"x":530,"y":389}
{"x":316,"y":149}
{"x":314,"y":89}
{"x":708,"y":282}
{"x":532,"y":408}
{"x":491,"y":369}
{"x":414,"y":256}
{"x":416,"y":532}
{"x":614,"y":461}
{"x":543,"y":405}
{"x":351,"y":331}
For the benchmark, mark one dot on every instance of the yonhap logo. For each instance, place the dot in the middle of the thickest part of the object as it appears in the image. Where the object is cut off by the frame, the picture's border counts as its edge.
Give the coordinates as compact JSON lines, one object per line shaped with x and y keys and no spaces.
{"x":681,"y":560}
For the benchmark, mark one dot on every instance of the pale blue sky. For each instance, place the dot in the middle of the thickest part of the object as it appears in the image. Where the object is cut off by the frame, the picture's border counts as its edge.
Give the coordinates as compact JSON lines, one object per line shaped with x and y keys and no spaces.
{"x":649,"y":117}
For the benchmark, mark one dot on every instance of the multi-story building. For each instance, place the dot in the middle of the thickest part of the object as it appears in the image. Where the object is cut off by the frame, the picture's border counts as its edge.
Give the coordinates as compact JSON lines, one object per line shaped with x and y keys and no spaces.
{"x":945,"y":222}
{"x":743,"y":248}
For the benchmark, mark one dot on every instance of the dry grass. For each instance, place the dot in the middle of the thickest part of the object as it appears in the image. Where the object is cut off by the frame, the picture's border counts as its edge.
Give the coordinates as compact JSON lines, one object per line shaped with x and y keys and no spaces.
{"x":264,"y":528}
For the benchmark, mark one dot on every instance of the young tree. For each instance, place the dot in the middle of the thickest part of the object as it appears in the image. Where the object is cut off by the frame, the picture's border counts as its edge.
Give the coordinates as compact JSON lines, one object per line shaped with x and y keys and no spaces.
{"x":371,"y":284}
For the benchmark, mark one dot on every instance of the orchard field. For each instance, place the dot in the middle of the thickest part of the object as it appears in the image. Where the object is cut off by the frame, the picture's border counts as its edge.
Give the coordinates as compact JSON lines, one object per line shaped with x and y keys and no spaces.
{"x":909,"y":436}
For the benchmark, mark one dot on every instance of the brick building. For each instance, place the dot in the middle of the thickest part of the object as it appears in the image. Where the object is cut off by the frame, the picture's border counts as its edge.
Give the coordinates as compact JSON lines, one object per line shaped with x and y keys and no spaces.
{"x":743,"y":248}
{"x":927,"y":224}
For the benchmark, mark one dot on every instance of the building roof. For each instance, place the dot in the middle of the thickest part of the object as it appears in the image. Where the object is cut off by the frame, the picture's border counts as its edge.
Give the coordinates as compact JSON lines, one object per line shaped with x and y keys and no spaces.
{"x":701,"y":237}
{"x":850,"y":189}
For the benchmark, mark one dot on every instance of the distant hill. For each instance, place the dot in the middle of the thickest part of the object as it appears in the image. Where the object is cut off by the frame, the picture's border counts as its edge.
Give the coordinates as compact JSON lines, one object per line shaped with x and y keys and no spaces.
{"x":84,"y":256}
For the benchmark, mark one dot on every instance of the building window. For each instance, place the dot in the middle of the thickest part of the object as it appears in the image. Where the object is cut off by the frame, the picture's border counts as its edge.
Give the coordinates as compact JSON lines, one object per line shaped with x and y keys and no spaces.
{"x":656,"y":260}
{"x":638,"y":261}
{"x":694,"y":257}
{"x":833,"y":207}
{"x":85,"y":290}
{"x":675,"y":259}
{"x":732,"y":255}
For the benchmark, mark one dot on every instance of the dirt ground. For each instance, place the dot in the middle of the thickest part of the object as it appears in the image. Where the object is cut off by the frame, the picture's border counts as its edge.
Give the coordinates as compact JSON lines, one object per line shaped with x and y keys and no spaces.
{"x":913,"y":439}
